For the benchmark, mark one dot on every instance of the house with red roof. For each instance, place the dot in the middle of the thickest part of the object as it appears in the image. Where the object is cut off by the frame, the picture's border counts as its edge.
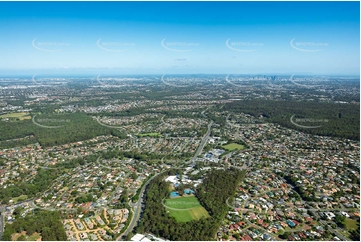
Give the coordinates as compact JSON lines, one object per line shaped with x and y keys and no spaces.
{"x":241,"y":223}
{"x":246,"y":237}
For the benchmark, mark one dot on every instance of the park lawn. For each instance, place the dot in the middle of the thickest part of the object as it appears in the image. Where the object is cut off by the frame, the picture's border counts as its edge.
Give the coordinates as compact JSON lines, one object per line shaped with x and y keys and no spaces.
{"x":20,"y":116}
{"x":233,"y":146}
{"x":190,"y":214}
{"x":182,"y":202}
{"x":150,"y":135}
{"x":194,"y":209}
{"x":350,"y":224}
{"x":199,"y":212}
{"x":24,"y":117}
{"x":180,"y":216}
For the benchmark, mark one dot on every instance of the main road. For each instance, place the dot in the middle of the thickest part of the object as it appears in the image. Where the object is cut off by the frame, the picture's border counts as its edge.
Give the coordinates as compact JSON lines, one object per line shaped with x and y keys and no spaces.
{"x":338,"y":234}
{"x":138,"y":205}
{"x":202,"y":144}
{"x":2,"y":224}
{"x":137,"y":209}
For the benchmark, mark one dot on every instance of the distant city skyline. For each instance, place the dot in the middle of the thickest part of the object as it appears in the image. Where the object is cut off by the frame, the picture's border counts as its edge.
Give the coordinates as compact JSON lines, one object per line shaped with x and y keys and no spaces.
{"x":129,"y":38}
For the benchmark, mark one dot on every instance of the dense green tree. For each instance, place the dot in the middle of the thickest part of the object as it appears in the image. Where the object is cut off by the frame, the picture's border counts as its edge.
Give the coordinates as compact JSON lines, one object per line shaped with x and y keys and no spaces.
{"x":281,"y":111}
{"x":44,"y":222}
{"x":21,"y":238}
{"x":156,"y":220}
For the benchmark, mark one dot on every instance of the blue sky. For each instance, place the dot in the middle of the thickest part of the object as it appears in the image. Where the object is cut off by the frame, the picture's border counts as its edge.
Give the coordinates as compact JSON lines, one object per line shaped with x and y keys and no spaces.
{"x":180,"y":37}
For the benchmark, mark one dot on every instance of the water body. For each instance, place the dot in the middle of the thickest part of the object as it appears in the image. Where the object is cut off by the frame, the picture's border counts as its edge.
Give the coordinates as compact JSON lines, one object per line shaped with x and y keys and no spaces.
{"x":174,"y":194}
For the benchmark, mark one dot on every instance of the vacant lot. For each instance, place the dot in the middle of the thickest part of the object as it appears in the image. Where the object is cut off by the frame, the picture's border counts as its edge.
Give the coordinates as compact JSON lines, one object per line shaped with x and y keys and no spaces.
{"x":350,"y":224}
{"x":233,"y":146}
{"x":185,"y":209}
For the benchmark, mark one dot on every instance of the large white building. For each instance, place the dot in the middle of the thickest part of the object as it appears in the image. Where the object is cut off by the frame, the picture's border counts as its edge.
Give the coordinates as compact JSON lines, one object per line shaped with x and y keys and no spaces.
{"x":137,"y":237}
{"x":172,"y":179}
{"x":143,"y":238}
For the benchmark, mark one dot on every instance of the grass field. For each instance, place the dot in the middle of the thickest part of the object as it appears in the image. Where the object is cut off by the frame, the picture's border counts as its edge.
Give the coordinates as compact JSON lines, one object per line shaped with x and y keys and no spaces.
{"x":350,"y":224}
{"x":20,"y":116}
{"x":233,"y":146}
{"x":150,"y":135}
{"x":192,"y":208}
{"x":20,"y":198}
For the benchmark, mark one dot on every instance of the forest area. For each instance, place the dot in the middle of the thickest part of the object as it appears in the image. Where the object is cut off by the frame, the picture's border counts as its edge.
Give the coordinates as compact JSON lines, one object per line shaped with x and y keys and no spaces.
{"x":47,"y":223}
{"x":217,"y":187}
{"x":72,"y":128}
{"x":343,"y":120}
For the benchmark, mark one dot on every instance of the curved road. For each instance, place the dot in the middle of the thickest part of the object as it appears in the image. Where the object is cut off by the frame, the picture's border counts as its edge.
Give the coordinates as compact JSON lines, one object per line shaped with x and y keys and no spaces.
{"x":137,"y":209}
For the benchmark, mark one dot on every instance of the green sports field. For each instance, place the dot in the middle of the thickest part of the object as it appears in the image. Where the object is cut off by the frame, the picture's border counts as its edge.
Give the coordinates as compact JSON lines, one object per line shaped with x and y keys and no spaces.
{"x":189,"y":208}
{"x":233,"y":146}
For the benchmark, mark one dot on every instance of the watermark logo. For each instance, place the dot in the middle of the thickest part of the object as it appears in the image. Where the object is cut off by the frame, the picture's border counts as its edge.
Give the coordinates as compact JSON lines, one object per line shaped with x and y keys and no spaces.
{"x":299,"y":84}
{"x":244,"y":80}
{"x":172,"y":204}
{"x":115,"y":82}
{"x":243,"y":46}
{"x":49,"y":84}
{"x":99,"y":161}
{"x":307,"y":120}
{"x":49,"y":120}
{"x":114,"y":46}
{"x":171,"y":84}
{"x":34,"y":81}
{"x":178,"y":46}
{"x":227,"y":80}
{"x":232,"y":203}
{"x":105,"y":125}
{"x":49,"y":46}
{"x":101,"y":83}
{"x":307,"y":46}
{"x":313,"y":79}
